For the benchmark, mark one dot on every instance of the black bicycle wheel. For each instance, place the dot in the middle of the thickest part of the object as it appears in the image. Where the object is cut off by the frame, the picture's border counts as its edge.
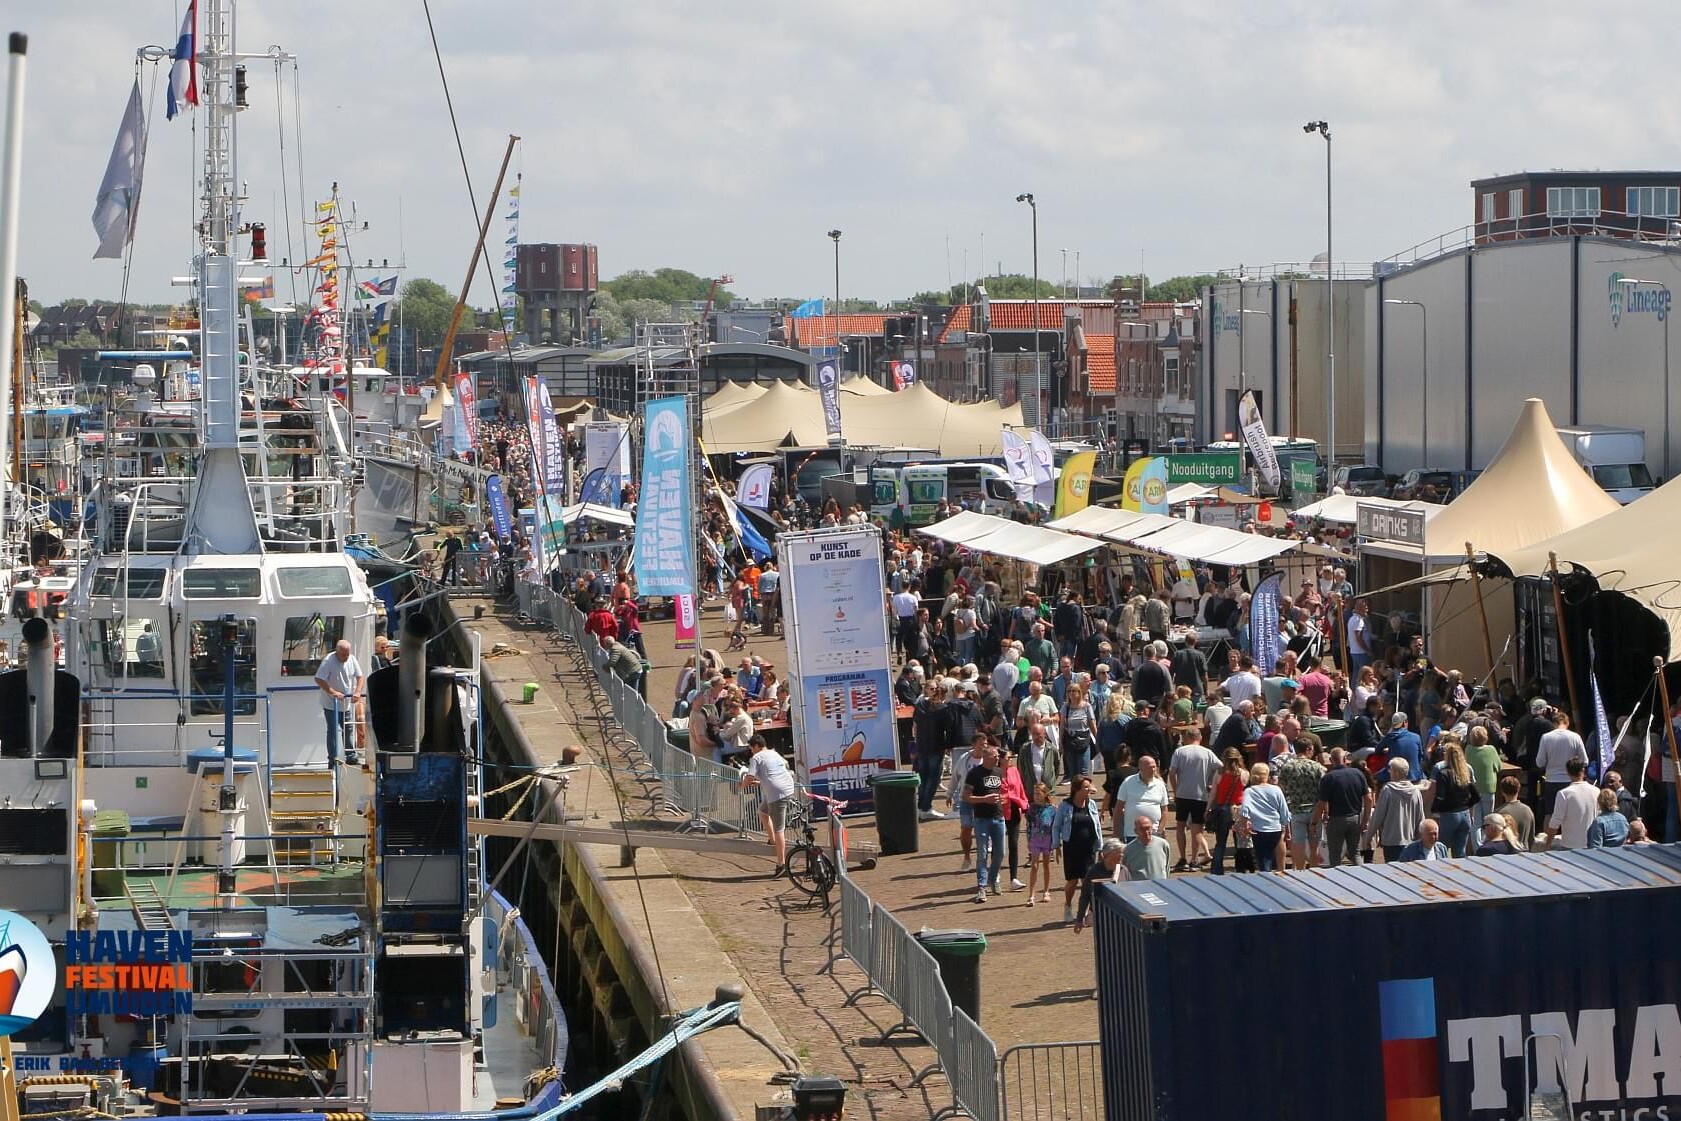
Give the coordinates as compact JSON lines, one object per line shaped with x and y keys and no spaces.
{"x":810,"y":870}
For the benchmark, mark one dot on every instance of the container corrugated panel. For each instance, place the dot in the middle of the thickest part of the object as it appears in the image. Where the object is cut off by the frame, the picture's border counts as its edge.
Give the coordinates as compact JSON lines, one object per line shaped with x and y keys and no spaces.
{"x":1426,"y":990}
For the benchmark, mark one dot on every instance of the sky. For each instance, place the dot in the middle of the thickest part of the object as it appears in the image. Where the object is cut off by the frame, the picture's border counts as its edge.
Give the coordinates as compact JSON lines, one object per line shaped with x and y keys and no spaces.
{"x":728,"y":137}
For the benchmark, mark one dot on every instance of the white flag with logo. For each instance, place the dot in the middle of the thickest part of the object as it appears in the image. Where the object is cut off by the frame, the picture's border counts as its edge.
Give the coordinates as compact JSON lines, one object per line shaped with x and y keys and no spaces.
{"x":1018,"y":461}
{"x":1044,"y":468}
{"x":1260,"y":445}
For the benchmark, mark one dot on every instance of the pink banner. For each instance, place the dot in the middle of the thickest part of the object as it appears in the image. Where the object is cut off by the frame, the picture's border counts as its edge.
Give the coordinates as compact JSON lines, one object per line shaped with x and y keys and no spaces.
{"x":687,"y":623}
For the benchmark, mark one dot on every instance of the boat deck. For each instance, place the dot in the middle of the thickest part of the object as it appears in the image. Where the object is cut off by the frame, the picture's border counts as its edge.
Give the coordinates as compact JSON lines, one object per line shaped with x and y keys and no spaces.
{"x":193,"y":886}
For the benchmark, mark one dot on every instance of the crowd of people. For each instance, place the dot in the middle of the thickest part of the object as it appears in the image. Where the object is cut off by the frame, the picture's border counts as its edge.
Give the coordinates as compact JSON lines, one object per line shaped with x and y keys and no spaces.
{"x":1103,"y":718}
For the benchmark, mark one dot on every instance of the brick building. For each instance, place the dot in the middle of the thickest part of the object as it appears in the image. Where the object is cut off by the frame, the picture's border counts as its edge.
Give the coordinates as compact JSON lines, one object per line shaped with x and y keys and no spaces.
{"x":1634,"y":204}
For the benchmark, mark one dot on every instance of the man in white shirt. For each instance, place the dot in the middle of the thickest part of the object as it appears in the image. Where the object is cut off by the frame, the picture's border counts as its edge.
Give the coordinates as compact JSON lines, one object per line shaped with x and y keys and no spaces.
{"x":1574,"y":809}
{"x":768,"y":770}
{"x":1359,"y":638}
{"x":905,"y":604}
{"x":1143,"y":793}
{"x":339,"y":678}
{"x":1553,"y":754}
{"x":1245,"y":684}
{"x":1184,"y":595}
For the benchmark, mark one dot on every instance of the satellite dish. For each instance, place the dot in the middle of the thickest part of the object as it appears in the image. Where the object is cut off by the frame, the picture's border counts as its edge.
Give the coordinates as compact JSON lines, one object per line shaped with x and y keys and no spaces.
{"x":1320,"y":265}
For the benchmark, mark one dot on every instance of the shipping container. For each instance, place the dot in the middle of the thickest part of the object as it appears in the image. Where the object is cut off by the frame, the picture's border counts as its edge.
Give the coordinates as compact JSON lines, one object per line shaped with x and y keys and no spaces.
{"x":1452,"y":990}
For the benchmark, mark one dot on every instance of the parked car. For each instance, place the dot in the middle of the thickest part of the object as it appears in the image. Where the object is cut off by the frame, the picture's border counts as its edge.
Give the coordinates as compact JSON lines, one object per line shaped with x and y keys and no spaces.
{"x":1425,"y":484}
{"x":1366,"y":480}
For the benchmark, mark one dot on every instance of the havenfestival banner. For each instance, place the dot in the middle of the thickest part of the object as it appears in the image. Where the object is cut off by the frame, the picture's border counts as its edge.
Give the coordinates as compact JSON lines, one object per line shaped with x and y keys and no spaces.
{"x":497,"y":499}
{"x":466,"y":413}
{"x":665,"y":558}
{"x":606,"y":462}
{"x":844,"y":728}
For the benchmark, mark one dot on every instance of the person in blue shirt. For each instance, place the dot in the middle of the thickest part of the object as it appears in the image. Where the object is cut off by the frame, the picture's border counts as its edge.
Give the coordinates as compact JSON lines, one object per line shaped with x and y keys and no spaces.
{"x":1610,"y":829}
{"x":1427,"y":847}
{"x":1403,"y":743}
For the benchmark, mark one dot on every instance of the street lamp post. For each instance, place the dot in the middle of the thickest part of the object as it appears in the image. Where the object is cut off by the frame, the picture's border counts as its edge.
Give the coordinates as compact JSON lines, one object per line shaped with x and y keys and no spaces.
{"x":1038,"y":378}
{"x":1663,"y":320}
{"x":1424,"y":365}
{"x":1323,"y":128}
{"x":834,"y":236}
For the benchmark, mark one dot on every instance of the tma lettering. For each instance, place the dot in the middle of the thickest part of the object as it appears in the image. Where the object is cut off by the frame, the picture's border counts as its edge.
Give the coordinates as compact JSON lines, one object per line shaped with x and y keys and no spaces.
{"x":1580,"y":1059}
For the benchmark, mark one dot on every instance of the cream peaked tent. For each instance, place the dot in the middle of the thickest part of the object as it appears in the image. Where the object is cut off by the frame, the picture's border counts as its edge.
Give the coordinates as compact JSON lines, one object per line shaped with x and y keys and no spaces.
{"x":864,"y":387}
{"x":1531,"y":490}
{"x":767,"y":422}
{"x":732,"y":395}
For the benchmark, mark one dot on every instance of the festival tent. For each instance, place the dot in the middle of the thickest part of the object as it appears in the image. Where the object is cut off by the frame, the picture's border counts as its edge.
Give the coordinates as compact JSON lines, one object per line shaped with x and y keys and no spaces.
{"x":781,"y":415}
{"x":1343,"y":508}
{"x":1532,"y":490}
{"x":732,"y":395}
{"x":864,"y":387}
{"x":1002,"y":537}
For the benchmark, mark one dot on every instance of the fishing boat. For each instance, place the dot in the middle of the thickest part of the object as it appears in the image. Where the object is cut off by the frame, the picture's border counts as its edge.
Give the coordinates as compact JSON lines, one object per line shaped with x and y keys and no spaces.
{"x":332,"y":943}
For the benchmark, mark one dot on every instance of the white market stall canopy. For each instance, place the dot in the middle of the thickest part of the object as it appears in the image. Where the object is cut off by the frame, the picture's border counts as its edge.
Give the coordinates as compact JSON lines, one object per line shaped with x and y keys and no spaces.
{"x":1344,"y":508}
{"x":1176,"y":537}
{"x":1002,"y":537}
{"x":590,"y":511}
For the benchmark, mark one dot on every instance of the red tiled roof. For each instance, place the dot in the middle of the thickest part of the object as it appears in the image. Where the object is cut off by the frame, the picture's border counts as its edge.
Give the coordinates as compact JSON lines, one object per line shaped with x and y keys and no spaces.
{"x":819,"y":330}
{"x":1017,"y":315}
{"x":958,"y":323}
{"x":1100,"y":363}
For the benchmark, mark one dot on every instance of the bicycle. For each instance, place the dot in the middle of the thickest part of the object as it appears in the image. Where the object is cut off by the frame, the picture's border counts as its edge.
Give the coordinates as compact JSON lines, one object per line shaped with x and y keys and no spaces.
{"x":809,"y":866}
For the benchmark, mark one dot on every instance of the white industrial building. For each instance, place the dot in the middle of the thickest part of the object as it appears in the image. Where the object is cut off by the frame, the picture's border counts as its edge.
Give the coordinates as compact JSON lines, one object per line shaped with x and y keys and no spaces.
{"x":1581,"y":322}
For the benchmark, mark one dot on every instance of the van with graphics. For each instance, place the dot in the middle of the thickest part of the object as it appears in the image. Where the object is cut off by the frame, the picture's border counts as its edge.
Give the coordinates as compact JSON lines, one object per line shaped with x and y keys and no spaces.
{"x":910,"y":493}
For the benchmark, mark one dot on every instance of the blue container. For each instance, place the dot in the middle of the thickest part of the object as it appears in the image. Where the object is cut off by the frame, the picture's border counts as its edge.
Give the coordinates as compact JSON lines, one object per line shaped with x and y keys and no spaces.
{"x":1425,"y":989}
{"x":210,"y":759}
{"x":142,"y":1064}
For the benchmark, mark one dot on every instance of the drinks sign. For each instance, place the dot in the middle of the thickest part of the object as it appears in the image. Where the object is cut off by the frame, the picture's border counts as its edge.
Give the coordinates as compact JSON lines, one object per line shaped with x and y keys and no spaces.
{"x":1390,"y":523}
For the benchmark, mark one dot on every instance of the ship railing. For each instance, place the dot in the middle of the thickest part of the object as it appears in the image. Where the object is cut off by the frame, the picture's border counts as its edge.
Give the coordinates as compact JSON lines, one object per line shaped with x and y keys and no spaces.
{"x":520,"y":966}
{"x":129,"y":752}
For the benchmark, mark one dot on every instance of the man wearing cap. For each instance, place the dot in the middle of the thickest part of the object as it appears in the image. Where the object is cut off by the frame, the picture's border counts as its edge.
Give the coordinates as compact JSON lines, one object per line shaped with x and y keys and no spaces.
{"x":767,"y":769}
{"x":1143,"y":735}
{"x":1527,"y":733}
{"x":1403,"y":743}
{"x":907,"y":689}
{"x":1105,"y":869}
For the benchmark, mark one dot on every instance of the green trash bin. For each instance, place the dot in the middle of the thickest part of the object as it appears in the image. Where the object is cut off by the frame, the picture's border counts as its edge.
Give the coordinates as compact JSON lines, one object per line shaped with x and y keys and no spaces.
{"x":958,"y":953}
{"x":109,"y":879}
{"x":1331,"y":733}
{"x":896,"y":821}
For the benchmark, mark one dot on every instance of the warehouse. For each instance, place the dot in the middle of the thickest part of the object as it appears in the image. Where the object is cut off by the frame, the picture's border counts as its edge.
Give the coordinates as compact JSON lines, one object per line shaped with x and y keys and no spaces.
{"x":1456,"y":340}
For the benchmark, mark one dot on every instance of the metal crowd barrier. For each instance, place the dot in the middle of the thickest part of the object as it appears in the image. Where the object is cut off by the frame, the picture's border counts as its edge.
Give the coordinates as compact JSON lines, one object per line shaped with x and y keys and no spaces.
{"x":1031,"y":1082}
{"x":1052,"y":1082}
{"x":708,"y":793}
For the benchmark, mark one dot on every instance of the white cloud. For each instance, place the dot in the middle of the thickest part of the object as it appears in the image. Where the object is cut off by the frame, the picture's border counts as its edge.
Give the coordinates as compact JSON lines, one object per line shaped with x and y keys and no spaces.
{"x":728,"y":136}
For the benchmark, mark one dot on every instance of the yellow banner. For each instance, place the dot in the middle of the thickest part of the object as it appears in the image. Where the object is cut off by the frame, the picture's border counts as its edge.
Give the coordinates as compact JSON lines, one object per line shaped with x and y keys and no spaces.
{"x":1073,"y":488}
{"x":1132,"y":487}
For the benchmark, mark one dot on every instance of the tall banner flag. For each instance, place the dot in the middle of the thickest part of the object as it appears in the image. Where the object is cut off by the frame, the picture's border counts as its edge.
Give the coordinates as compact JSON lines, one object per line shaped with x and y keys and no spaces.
{"x":554,"y":447}
{"x":534,"y":434}
{"x":329,"y":336}
{"x":1044,"y":468}
{"x":606,"y":462}
{"x":1132,"y":484}
{"x":745,"y":532}
{"x":118,"y":202}
{"x":1072,"y":488}
{"x":497,"y":499}
{"x":844,"y":731}
{"x":1018,"y":461}
{"x":1152,"y":486}
{"x":904,"y":375}
{"x":1255,"y":435}
{"x":510,"y":257}
{"x":685,"y":622}
{"x":183,"y":72}
{"x":1601,"y":724}
{"x":466,"y":413}
{"x":828,"y":388}
{"x":665,"y":555}
{"x":1263,"y":621}
{"x":753,"y":488}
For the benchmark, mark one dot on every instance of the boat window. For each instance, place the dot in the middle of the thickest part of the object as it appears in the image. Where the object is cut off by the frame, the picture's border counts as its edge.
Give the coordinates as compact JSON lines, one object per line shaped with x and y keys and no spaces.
{"x":129,"y":647}
{"x":142,"y":583}
{"x":314,"y":581}
{"x":222,"y":583}
{"x":308,"y":639}
{"x":208,"y":670}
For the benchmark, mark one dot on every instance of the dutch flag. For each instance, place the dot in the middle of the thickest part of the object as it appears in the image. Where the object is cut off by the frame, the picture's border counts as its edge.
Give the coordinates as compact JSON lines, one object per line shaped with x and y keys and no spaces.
{"x":183,"y":75}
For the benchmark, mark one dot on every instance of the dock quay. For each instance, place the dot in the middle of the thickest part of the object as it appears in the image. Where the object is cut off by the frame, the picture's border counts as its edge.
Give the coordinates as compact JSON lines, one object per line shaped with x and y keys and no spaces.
{"x":634,"y":932}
